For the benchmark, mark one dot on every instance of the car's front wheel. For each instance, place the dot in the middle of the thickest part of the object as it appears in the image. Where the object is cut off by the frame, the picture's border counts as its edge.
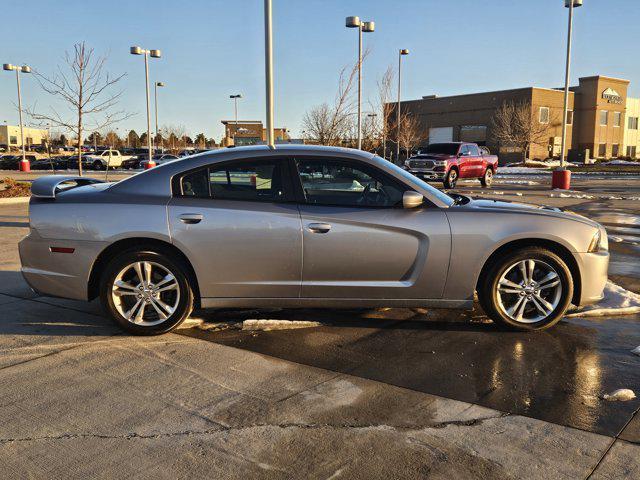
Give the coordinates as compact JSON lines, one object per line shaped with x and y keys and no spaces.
{"x":97,"y":165}
{"x":451,"y":178}
{"x":527,"y":289}
{"x":146,"y":292}
{"x":487,"y":178}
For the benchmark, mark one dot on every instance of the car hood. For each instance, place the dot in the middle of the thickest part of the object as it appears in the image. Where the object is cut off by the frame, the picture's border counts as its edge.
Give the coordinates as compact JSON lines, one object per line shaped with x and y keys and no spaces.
{"x":434,"y":156}
{"x":503,"y":206}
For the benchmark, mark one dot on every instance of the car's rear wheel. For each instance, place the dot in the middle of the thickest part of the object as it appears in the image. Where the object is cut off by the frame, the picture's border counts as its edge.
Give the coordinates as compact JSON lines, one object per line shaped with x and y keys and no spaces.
{"x":487,"y":178}
{"x":146,"y":292}
{"x":528,"y":289}
{"x":451,"y":178}
{"x":97,"y":165}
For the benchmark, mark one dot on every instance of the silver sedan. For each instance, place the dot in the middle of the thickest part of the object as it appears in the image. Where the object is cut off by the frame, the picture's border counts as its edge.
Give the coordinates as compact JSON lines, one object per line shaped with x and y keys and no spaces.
{"x":301,"y":226}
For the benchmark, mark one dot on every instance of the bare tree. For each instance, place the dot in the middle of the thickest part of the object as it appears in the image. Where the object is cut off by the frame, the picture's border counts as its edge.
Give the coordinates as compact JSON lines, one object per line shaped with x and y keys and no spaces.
{"x":87,"y":90}
{"x":385,"y":112}
{"x":330,"y":124}
{"x":514,"y":125}
{"x":410,"y":132}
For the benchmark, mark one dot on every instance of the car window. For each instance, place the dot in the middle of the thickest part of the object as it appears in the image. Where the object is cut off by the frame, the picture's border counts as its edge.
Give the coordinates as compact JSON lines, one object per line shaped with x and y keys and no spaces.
{"x":195,"y":184}
{"x":464,"y":150}
{"x":347,"y":183}
{"x":242,"y":180}
{"x":473,"y":150}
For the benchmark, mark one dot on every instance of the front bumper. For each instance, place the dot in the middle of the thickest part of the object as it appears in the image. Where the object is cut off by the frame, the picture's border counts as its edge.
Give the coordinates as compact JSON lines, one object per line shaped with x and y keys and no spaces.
{"x":426,"y":174}
{"x":593,"y":276}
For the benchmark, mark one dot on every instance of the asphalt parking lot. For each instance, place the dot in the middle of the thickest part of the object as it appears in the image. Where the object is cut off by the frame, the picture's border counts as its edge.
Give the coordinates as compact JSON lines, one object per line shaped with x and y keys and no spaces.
{"x":389,"y":393}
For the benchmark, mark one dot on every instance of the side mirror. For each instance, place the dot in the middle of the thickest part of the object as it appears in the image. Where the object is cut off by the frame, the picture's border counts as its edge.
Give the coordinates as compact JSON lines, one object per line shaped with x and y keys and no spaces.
{"x":411,"y":199}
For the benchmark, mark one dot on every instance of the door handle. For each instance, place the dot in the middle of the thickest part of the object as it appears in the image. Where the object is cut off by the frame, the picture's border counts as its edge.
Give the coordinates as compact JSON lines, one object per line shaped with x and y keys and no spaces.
{"x":190,"y":218}
{"x":319,"y":227}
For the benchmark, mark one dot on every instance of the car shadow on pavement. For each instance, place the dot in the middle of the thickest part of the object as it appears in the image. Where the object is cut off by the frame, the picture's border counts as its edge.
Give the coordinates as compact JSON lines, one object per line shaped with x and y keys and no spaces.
{"x":24,"y":313}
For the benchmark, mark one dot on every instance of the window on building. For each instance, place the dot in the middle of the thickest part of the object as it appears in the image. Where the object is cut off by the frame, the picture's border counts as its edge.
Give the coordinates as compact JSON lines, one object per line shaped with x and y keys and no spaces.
{"x":617,"y":119}
{"x":631,"y":151}
{"x":13,"y":140}
{"x":544,"y":115}
{"x":604,"y":118}
{"x":569,"y":117}
{"x":633,"y":123}
{"x":615,"y":150}
{"x":602,"y":150}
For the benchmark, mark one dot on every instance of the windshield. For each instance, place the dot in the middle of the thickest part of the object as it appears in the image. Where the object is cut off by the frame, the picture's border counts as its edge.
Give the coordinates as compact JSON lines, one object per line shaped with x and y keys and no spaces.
{"x":443,"y":197}
{"x":442,"y":148}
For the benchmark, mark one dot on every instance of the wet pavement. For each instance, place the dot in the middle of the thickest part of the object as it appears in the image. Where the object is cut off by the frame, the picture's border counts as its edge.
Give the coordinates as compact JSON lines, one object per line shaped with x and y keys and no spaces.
{"x":558,"y":376}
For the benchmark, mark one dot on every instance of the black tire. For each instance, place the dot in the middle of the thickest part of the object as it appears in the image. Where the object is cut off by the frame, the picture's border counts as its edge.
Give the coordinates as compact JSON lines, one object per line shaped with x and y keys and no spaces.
{"x":184,"y":302}
{"x":487,"y":178}
{"x":495,"y":305}
{"x":451,"y":178}
{"x":97,"y":165}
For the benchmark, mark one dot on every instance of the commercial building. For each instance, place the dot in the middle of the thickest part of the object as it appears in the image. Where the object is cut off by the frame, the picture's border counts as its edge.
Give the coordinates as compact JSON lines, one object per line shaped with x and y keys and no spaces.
{"x":249,"y":132}
{"x":602,"y":121}
{"x":10,"y":136}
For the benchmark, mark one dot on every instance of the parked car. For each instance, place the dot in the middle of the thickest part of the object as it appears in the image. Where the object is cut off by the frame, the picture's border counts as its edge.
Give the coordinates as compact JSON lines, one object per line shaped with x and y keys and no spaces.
{"x":302,"y":226}
{"x":12,"y":162}
{"x":159,"y":159}
{"x":106,"y":159}
{"x":451,"y":161}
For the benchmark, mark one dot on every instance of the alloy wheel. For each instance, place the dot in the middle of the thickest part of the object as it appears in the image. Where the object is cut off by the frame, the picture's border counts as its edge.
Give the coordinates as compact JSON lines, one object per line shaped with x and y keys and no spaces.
{"x":529,"y":291}
{"x":145,"y":293}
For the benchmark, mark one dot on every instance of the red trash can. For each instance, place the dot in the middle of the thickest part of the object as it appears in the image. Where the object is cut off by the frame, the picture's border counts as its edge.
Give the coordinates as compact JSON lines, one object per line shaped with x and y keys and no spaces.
{"x":561,"y":179}
{"x":25,"y":166}
{"x":150,"y":164}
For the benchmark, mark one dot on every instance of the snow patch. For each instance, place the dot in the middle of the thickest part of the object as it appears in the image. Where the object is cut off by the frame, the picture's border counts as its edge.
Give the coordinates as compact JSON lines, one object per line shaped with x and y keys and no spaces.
{"x":620,"y":162}
{"x":518,"y":182}
{"x":636,"y":351}
{"x":620,"y":395}
{"x":617,"y":301}
{"x":265,"y":324}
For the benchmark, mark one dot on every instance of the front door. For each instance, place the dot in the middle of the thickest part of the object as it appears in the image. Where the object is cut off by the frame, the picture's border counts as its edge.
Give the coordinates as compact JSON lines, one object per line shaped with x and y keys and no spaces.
{"x":358,"y":241}
{"x":235,"y":224}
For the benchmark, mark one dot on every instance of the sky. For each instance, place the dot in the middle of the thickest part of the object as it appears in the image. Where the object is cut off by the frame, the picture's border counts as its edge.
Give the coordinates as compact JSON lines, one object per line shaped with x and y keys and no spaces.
{"x":214,"y":48}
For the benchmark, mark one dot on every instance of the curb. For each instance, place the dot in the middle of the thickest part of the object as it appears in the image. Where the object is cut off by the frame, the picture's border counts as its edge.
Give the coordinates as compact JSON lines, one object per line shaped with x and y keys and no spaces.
{"x":14,"y":200}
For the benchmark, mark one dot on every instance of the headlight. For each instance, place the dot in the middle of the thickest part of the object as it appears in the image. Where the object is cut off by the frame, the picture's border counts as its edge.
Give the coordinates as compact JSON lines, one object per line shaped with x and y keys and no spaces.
{"x":599,"y":242}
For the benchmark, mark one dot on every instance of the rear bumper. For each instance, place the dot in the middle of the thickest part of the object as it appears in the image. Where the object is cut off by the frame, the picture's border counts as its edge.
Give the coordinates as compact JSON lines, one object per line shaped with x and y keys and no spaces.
{"x":58,"y":274}
{"x":593,"y":276}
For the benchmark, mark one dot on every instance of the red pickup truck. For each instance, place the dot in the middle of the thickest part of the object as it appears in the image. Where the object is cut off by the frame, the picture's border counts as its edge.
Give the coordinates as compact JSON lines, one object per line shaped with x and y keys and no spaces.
{"x":453,"y":160}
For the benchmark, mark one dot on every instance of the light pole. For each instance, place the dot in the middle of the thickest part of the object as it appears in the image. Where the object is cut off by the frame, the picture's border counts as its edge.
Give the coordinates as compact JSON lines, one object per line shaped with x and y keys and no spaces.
{"x":154,"y":54}
{"x":155,"y":93}
{"x":24,"y":164}
{"x":268,"y":68}
{"x":401,"y":53}
{"x":561,"y":178}
{"x":235,"y":107}
{"x":354,"y":22}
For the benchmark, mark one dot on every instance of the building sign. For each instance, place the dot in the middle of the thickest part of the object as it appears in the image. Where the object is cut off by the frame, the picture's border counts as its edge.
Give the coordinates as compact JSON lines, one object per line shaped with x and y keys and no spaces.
{"x":611,"y":96}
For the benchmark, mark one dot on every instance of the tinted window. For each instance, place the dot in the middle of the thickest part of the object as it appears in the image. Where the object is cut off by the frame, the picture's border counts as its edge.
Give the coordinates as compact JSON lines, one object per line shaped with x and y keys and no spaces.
{"x":473,"y":150}
{"x":444,"y":148}
{"x":195,"y":184}
{"x":344,"y":183}
{"x":261,"y":181}
{"x":464,"y":150}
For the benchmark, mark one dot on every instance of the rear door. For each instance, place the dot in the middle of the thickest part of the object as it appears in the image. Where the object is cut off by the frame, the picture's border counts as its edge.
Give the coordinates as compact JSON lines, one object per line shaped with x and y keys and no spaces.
{"x":236,"y":223}
{"x":358,"y":240}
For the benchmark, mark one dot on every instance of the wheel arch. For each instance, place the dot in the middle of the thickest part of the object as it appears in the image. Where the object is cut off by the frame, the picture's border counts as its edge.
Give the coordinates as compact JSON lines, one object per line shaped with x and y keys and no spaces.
{"x":140,"y":244}
{"x":555,"y":247}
